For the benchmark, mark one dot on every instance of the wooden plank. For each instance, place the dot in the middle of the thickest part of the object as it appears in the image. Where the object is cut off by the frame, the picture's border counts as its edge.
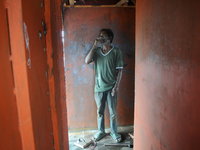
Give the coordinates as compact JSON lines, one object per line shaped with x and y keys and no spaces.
{"x":71,"y":2}
{"x":89,"y":6}
{"x":131,"y":135}
{"x":120,"y":3}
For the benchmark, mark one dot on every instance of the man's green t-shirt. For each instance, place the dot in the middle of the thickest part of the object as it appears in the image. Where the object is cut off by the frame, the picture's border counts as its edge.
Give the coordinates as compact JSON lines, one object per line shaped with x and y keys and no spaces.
{"x":106,"y":66}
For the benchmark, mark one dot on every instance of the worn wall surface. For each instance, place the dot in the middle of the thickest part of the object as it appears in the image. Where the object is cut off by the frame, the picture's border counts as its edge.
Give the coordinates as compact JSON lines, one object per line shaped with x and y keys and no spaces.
{"x":167,"y":106}
{"x":81,"y":28}
{"x":37,"y":70}
{"x":10,"y":134}
{"x":57,"y":72}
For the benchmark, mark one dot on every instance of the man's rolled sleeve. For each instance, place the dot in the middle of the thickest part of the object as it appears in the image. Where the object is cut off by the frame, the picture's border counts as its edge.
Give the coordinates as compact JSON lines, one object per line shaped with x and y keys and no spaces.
{"x":119,"y":63}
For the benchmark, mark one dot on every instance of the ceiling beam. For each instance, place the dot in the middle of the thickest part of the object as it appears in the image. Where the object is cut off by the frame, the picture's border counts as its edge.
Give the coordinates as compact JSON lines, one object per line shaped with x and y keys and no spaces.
{"x":79,"y":6}
{"x":71,"y":2}
{"x":121,"y":3}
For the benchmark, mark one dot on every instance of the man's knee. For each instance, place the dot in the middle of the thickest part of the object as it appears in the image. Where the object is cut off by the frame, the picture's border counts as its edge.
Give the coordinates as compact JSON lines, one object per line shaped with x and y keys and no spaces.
{"x":100,"y":115}
{"x":113,"y":117}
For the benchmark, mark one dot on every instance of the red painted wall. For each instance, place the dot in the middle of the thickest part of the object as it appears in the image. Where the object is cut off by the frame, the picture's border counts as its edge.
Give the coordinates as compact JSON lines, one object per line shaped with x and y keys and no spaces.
{"x":81,"y":27}
{"x":167,"y":105}
{"x":10,"y":135}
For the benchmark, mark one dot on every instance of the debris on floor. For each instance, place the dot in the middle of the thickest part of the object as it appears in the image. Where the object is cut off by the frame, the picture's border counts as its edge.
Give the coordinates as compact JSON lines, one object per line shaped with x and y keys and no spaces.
{"x":100,"y":145}
{"x":131,"y":135}
{"x":130,"y":145}
{"x":83,"y":143}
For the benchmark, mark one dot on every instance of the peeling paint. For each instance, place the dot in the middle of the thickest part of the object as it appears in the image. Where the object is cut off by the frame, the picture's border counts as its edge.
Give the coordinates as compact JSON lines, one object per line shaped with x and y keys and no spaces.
{"x":27,"y":45}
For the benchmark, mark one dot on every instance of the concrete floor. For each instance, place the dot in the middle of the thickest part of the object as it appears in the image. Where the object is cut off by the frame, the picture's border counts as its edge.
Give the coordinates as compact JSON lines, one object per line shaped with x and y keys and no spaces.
{"x":87,"y":135}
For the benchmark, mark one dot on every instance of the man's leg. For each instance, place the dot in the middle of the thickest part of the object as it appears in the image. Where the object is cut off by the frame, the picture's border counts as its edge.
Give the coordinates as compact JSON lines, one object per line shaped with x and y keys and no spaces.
{"x":100,"y":101}
{"x":112,"y":105}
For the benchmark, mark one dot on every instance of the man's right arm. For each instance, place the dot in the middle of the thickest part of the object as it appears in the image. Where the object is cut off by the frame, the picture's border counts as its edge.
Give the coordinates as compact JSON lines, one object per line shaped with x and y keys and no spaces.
{"x":88,"y":58}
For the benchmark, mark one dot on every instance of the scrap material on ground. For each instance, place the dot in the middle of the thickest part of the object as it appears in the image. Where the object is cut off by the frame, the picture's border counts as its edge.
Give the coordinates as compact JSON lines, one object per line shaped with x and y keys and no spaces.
{"x":87,"y":135}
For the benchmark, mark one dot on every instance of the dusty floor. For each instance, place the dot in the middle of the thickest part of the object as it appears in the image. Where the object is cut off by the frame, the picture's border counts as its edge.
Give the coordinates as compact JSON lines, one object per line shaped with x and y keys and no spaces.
{"x":87,"y":135}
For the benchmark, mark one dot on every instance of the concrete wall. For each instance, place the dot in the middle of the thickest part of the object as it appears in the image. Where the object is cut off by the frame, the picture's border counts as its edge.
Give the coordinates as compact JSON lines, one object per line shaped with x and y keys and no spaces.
{"x":167,"y":105}
{"x":81,"y":27}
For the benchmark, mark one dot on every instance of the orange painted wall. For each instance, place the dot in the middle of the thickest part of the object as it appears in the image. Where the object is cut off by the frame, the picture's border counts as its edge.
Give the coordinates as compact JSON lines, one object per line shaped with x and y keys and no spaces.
{"x":58,"y":72}
{"x":10,"y":135}
{"x":28,"y":110}
{"x":167,"y":84}
{"x":37,"y":71}
{"x":81,"y":27}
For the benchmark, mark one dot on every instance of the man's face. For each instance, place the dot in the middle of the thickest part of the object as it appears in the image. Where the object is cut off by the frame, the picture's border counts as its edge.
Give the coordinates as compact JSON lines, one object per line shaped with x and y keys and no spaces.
{"x":104,"y":39}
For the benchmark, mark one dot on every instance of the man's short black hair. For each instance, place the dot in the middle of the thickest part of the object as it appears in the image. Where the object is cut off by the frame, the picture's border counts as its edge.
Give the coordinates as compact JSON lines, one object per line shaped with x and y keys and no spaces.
{"x":109,"y":33}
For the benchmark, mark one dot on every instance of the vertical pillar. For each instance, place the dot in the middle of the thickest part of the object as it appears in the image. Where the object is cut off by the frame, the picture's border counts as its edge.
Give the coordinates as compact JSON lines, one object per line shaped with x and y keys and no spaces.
{"x":51,"y":82}
{"x":167,"y":105}
{"x":59,"y":74}
{"x":20,"y":73}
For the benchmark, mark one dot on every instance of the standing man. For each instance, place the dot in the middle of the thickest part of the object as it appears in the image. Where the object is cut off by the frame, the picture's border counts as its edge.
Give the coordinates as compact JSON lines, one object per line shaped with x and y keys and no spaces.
{"x":108,"y":66}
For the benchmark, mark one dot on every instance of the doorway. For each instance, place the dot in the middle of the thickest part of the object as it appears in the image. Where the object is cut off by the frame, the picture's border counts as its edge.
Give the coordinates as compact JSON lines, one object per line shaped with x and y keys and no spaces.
{"x":81,"y":27}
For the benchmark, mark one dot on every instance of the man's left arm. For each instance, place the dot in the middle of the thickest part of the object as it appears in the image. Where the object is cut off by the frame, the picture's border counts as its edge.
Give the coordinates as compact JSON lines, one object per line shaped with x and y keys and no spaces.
{"x":116,"y":87}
